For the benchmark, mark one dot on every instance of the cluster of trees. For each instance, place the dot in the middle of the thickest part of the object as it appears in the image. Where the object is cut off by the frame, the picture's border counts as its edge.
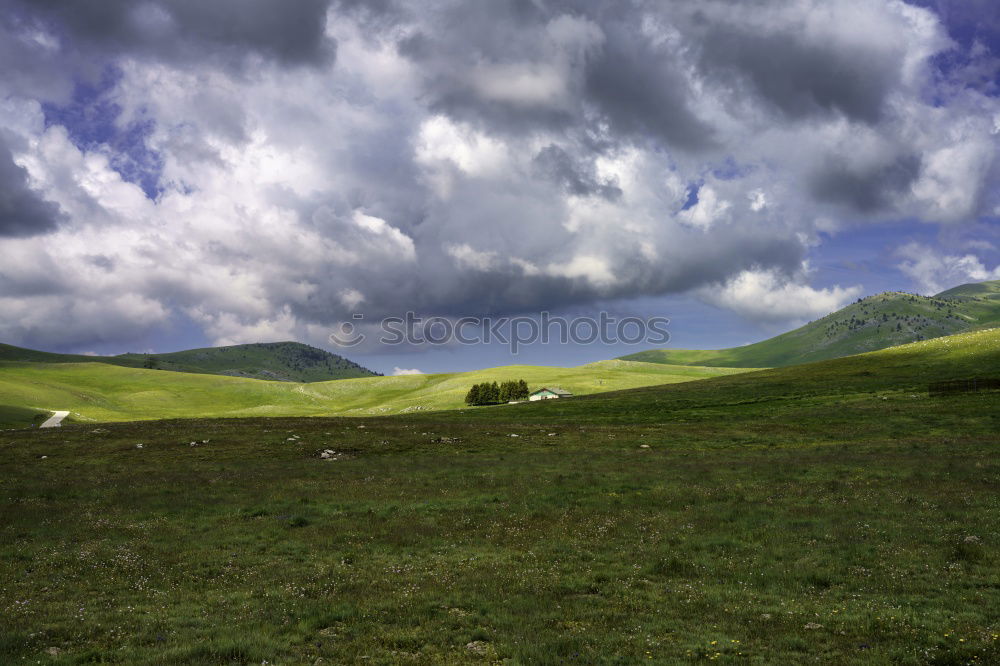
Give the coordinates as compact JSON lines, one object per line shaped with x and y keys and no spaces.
{"x":491,"y":393}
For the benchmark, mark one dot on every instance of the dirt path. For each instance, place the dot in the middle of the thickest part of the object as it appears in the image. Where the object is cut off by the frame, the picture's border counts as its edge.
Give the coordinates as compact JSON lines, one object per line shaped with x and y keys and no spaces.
{"x":55,"y":420}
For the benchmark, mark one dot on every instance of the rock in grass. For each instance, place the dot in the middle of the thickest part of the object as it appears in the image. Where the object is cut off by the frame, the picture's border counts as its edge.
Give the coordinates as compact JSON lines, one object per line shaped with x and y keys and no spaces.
{"x":330,"y":454}
{"x":479,"y":648}
{"x":813,"y":626}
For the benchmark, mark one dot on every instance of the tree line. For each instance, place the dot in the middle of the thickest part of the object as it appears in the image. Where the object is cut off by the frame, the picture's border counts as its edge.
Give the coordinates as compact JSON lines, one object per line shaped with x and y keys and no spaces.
{"x":491,"y":393}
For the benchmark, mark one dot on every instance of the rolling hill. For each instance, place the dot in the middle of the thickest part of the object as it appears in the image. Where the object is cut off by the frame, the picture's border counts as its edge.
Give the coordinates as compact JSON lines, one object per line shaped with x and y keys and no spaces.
{"x":800,"y":392}
{"x":280,"y":361}
{"x":104,"y":392}
{"x":869,"y":324}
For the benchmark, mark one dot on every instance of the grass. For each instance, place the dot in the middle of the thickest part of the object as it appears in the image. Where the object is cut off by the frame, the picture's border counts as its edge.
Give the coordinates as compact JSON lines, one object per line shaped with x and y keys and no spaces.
{"x":21,"y":417}
{"x":97,"y":391}
{"x":870,"y":324}
{"x":896,"y":373}
{"x":762,"y":518}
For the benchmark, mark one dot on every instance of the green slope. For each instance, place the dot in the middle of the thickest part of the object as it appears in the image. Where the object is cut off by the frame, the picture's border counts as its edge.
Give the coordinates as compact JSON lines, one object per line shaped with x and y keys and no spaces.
{"x":99,"y":391}
{"x":807,"y":392}
{"x":987,"y":290}
{"x":282,"y":361}
{"x":21,"y":417}
{"x":877,"y":322}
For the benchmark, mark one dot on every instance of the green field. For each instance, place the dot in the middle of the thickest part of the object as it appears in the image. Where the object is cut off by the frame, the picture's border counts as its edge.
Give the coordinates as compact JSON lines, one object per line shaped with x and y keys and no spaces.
{"x":831,"y":513}
{"x":280,"y":361}
{"x":102,"y":392}
{"x":21,"y":417}
{"x":873,"y":323}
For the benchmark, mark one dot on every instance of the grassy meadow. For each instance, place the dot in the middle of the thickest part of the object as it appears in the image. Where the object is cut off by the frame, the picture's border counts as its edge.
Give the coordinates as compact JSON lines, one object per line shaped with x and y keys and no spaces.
{"x":103,"y":392}
{"x":832,"y":513}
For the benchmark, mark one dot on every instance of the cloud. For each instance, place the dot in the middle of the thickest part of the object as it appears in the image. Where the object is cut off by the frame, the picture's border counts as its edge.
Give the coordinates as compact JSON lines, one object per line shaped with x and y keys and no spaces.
{"x":398,"y":372}
{"x":804,"y":73}
{"x":227,"y":328}
{"x":641,"y":92}
{"x":767,"y":296}
{"x":935,"y":271}
{"x":23,"y":211}
{"x":270,"y":171}
{"x":866,"y":188}
{"x":707,"y":210}
{"x":578,"y":178}
{"x":466,"y":257}
{"x":185,"y":30}
{"x":953,"y":182}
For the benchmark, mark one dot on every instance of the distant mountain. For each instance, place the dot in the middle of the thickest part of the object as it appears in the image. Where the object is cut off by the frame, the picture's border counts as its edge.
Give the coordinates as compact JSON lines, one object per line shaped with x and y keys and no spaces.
{"x":869,"y":324}
{"x":282,"y":361}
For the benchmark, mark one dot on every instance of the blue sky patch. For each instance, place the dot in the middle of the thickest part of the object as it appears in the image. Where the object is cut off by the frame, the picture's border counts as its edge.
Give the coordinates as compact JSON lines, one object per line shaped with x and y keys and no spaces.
{"x":91,"y":117}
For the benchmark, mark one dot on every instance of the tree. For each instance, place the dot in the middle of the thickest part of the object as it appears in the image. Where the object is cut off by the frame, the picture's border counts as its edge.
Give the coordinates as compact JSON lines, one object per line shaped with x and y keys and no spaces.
{"x":509,"y":391}
{"x":522,"y":390}
{"x":491,"y":393}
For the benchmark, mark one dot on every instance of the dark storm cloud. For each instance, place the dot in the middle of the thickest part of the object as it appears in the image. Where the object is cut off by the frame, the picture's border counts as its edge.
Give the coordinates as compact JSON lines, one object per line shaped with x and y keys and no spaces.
{"x":22,"y":211}
{"x":641,"y":94}
{"x":631,"y":83}
{"x":288,"y":32}
{"x":555,"y":164}
{"x":506,"y":289}
{"x":462,"y":36}
{"x":867,"y":190}
{"x":799,"y":78}
{"x":622,"y":78}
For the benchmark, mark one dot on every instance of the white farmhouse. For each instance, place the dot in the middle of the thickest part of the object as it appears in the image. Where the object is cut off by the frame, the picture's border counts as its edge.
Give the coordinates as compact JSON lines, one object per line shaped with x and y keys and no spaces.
{"x":549,"y":393}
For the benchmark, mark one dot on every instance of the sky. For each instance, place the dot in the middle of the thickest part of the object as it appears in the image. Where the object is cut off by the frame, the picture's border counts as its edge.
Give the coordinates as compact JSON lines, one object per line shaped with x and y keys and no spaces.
{"x":179,"y":173}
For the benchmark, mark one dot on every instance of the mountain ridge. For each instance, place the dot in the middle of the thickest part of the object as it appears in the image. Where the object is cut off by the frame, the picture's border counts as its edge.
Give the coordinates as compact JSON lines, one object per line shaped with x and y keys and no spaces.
{"x":279,"y":361}
{"x":883,"y":320}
